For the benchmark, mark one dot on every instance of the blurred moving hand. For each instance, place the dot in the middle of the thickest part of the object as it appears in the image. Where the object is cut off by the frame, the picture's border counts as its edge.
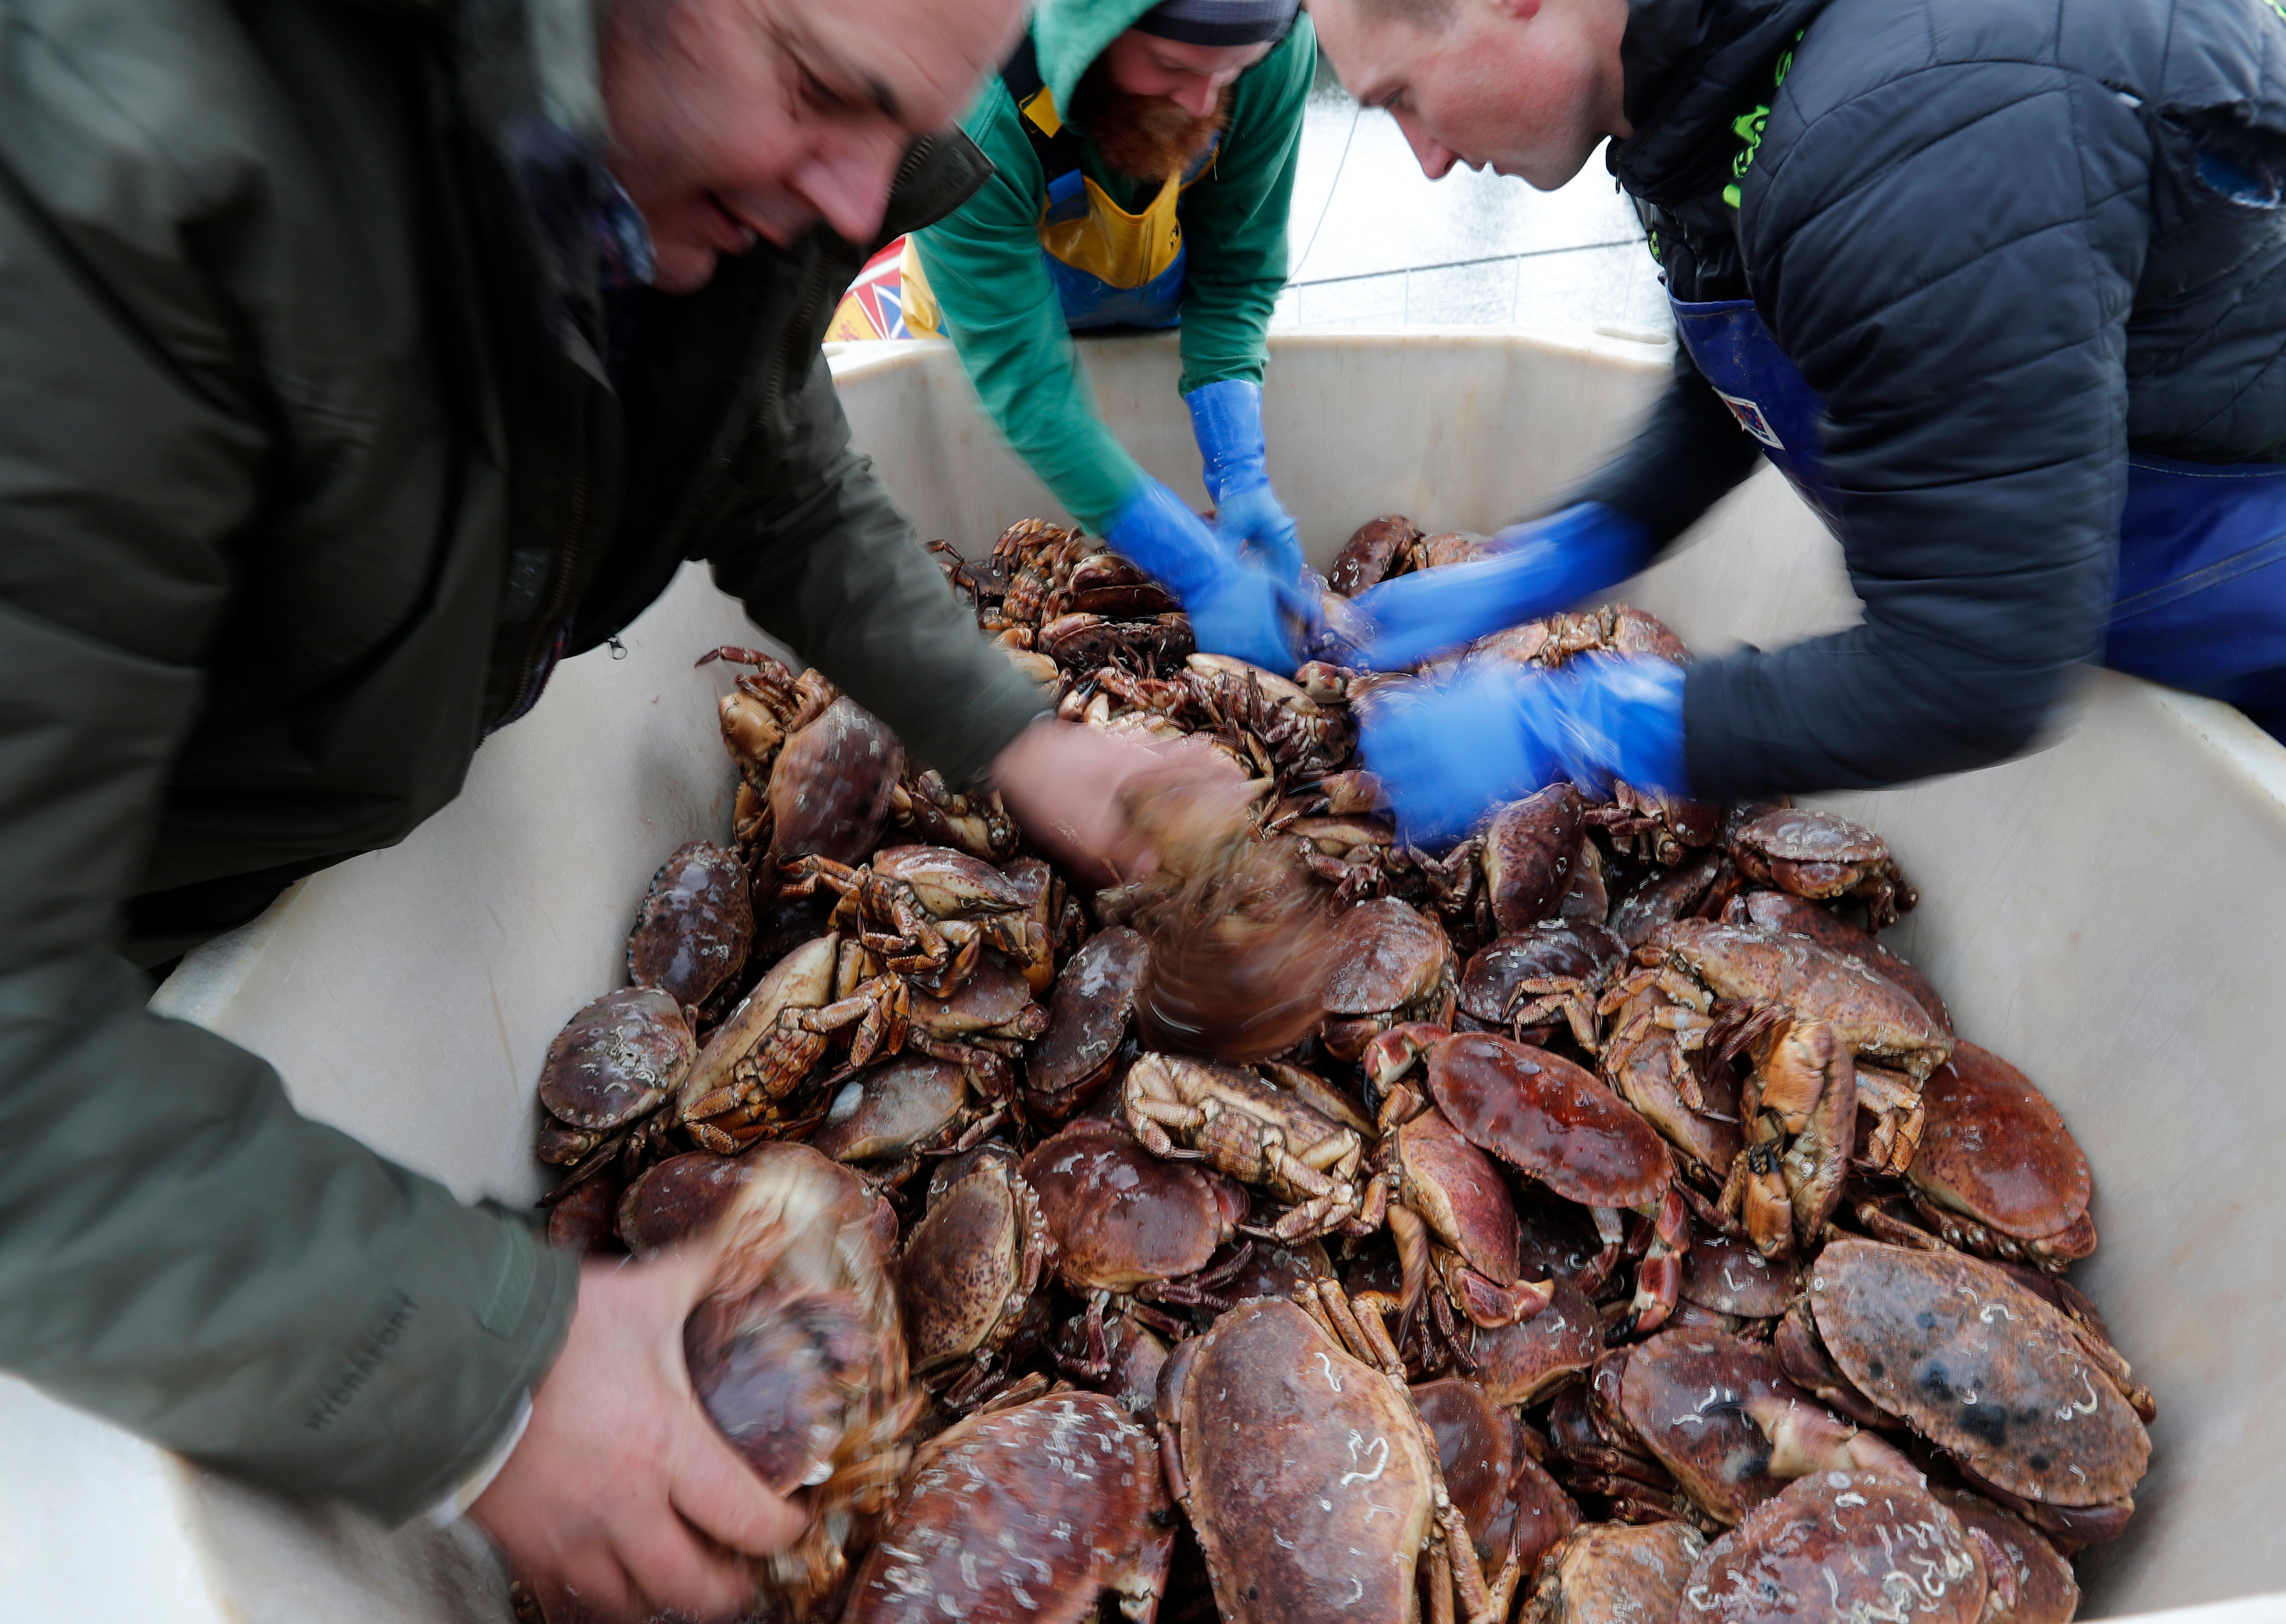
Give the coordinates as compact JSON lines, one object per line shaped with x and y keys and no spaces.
{"x":1234,"y":609}
{"x":1446,"y":753}
{"x":622,"y":1500}
{"x":1252,"y":525}
{"x":1073,"y":789}
{"x":1541,"y":567}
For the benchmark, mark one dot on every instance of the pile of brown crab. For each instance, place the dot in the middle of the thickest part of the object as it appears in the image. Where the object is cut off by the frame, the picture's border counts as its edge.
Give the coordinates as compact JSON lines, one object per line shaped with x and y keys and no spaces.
{"x":1617,"y":1231}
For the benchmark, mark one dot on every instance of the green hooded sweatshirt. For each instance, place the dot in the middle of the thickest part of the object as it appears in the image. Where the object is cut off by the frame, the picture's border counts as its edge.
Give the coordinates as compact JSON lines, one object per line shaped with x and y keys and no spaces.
{"x":983,"y":260}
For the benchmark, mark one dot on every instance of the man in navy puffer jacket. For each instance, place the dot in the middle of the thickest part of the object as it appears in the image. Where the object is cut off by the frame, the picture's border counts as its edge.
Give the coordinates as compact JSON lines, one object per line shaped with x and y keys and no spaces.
{"x":2000,"y":285}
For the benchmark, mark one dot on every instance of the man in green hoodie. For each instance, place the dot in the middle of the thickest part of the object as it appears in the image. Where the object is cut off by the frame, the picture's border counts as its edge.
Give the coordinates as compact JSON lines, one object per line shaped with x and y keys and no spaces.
{"x":1145,"y":158}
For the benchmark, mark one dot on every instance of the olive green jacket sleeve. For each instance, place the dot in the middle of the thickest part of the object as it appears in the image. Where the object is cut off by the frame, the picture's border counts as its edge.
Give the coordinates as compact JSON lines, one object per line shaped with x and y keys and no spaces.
{"x":1002,"y":313}
{"x":1235,"y":218}
{"x":180,"y":1252}
{"x":808,"y":539}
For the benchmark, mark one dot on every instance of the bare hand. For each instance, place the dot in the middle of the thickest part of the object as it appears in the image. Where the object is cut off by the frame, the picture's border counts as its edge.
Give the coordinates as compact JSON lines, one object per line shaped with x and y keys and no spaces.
{"x":1067,"y":784}
{"x":622,"y":1500}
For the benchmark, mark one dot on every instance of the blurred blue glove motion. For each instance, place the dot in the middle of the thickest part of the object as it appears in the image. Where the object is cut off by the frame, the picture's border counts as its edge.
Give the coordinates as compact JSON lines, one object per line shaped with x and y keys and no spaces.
{"x":1233,"y":610}
{"x":1541,"y":567}
{"x":1227,"y":418}
{"x":1446,"y":753}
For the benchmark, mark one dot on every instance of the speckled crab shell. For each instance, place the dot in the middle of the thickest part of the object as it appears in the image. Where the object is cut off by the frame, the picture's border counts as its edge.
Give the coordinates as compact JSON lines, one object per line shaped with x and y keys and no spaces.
{"x":1841,"y":1545}
{"x":1552,"y":950}
{"x":1800,"y":835}
{"x":1994,"y":1150}
{"x":1120,"y":1216}
{"x":1980,"y":1366}
{"x":618,"y":1059}
{"x":831,"y":787}
{"x":696,"y":924}
{"x":1615,"y":1573}
{"x":1685,"y":1393}
{"x":1551,"y":1119}
{"x":1089,"y":1015}
{"x":1531,"y":847}
{"x":984,"y":1532}
{"x":1308,"y":1481}
{"x":1384,"y":954}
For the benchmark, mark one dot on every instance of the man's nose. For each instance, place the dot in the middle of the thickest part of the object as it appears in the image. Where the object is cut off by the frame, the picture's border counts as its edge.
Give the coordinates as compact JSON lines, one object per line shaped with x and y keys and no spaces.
{"x":1197,"y":93}
{"x":1435,"y":158}
{"x":847,"y":181}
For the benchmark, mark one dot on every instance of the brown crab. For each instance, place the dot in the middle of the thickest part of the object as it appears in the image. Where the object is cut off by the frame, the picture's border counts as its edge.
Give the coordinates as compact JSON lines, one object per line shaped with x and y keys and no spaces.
{"x":1083,"y":643}
{"x":1615,"y":1573}
{"x":902,"y":1112}
{"x":1822,"y":856}
{"x":1450,"y":1216}
{"x":768,"y":1044}
{"x":1515,"y":1512}
{"x":796,"y":1354}
{"x":1650,"y":1039}
{"x":976,"y":824}
{"x":1553,"y":1122}
{"x":1724,"y":1275}
{"x":1531,"y":848}
{"x":1390,"y":964}
{"x":1593,"y":1452}
{"x":1252,"y":1132}
{"x":1309,"y":1479}
{"x":1798,"y":1110}
{"x":1131,"y":1229}
{"x":1779,"y":910}
{"x":1998,"y":1172}
{"x":694,"y":926}
{"x":967,"y":1280}
{"x":928,"y":912}
{"x":817,"y":771}
{"x":2029,"y":1584}
{"x":1521,"y":1364}
{"x":2034,"y":1409}
{"x":1663,"y":895}
{"x":610,"y":1068}
{"x":1089,"y":1015}
{"x":1851,"y":1545}
{"x":1536,"y":981}
{"x":984,"y":1530}
{"x":1371,"y":552}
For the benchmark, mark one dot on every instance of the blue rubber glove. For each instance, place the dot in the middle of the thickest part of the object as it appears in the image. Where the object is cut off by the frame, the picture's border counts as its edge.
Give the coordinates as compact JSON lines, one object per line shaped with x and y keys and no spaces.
{"x":1233,"y":610}
{"x":1447,"y":752}
{"x":1541,"y":567}
{"x":1227,"y":418}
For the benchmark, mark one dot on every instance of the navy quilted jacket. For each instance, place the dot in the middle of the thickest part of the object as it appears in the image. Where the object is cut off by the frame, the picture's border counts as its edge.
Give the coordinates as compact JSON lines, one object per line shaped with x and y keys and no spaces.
{"x":2005,"y":240}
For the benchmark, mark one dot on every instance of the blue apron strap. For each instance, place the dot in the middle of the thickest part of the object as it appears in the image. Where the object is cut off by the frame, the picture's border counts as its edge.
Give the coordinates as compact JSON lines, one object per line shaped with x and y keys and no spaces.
{"x":1765,"y":391}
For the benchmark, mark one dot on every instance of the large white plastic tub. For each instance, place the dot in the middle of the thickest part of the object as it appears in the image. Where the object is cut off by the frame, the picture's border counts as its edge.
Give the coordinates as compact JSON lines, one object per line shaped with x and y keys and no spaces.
{"x":2108,"y":913}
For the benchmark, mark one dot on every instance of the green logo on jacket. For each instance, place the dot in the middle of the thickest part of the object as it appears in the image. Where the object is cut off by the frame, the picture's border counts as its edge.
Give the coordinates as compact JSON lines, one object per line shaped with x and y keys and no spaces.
{"x":1749,"y":127}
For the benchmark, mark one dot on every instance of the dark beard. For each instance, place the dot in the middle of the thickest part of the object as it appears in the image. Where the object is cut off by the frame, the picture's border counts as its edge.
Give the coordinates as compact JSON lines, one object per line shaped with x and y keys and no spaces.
{"x":1146,"y":136}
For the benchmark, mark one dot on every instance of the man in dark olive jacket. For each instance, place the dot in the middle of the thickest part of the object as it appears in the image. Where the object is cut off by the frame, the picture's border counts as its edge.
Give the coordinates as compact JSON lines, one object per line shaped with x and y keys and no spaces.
{"x":1999,"y":285}
{"x":344,"y":390}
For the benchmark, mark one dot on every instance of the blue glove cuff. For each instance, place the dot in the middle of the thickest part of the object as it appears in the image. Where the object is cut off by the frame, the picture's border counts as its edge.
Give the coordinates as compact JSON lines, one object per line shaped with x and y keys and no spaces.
{"x":1226,"y":419}
{"x":1581,"y":550}
{"x":1156,"y":532}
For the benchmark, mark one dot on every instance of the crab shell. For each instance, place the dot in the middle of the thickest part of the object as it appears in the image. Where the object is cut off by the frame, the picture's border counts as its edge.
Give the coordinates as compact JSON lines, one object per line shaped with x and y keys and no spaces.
{"x":618,"y":1059}
{"x":1981,"y":1367}
{"x":1521,"y":1364}
{"x":1663,"y":896}
{"x":1515,"y":1510}
{"x":1645,"y":1068}
{"x":696,"y":924}
{"x":1849,"y":1545}
{"x":1551,"y":1119}
{"x":970,"y":1267}
{"x":1995,"y":1152}
{"x":1305,"y":1475}
{"x":830,"y":787}
{"x":2030,"y":1581}
{"x":1779,"y":911}
{"x":1457,"y":1192}
{"x":1816,"y":855}
{"x":1613,"y":1573}
{"x":1120,"y":1216}
{"x":1387,"y":961}
{"x":1684,"y":1394}
{"x":984,"y":1530}
{"x":994,"y":999}
{"x":796,"y":1356}
{"x":1366,"y":557}
{"x":1088,"y":1017}
{"x":582,"y":1221}
{"x":1722,"y":1273}
{"x":1530,"y":848}
{"x":688,"y":1195}
{"x":1493,"y":985}
{"x":888,"y":1108}
{"x":1087,"y":641}
{"x":1873,"y":1017}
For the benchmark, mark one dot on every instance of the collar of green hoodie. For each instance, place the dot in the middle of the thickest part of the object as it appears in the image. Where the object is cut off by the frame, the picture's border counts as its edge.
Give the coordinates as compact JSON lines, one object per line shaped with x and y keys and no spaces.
{"x":1069,"y":34}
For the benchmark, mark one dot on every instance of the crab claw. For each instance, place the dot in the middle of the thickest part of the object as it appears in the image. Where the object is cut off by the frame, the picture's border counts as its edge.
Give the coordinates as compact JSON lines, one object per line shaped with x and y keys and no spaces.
{"x":1658,"y":1278}
{"x":1491,"y":1305}
{"x":1392,"y":1054}
{"x":1806,"y":1438}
